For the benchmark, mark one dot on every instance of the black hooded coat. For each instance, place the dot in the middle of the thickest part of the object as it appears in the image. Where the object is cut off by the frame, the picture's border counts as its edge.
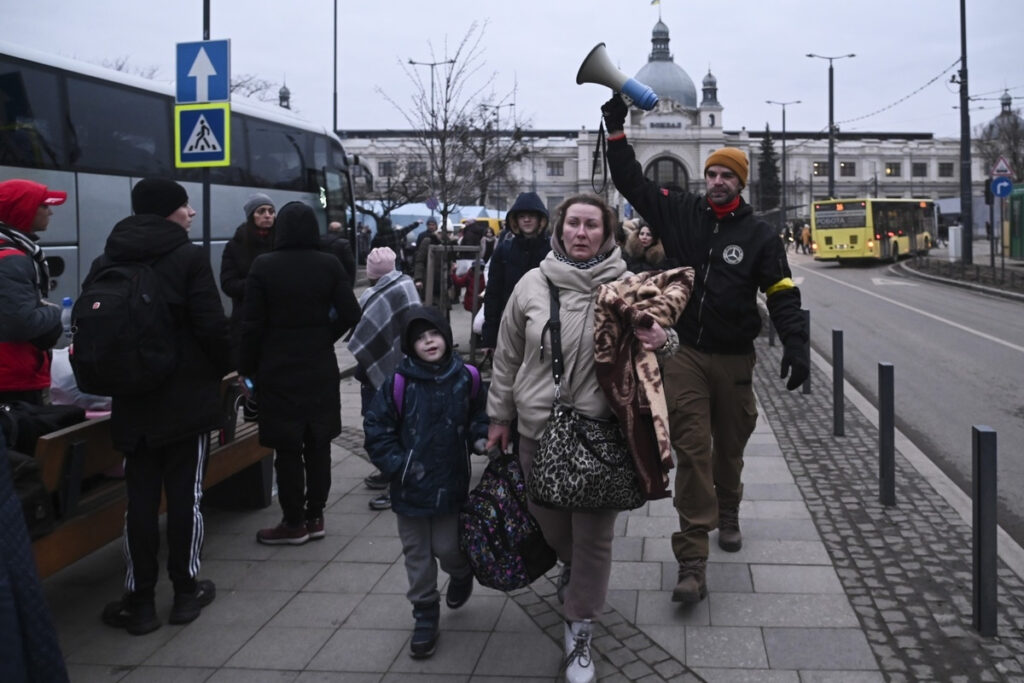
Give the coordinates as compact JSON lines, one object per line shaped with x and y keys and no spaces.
{"x":188,"y":402}
{"x":298,"y":302}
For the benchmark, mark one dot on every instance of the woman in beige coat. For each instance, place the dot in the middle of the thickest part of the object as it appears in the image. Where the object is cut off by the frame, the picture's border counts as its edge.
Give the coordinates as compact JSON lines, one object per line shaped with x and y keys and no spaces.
{"x":583,"y":256}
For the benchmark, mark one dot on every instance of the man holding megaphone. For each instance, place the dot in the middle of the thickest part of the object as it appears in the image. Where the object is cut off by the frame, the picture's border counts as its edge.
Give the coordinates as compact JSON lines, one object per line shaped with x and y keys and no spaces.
{"x":708,"y":380}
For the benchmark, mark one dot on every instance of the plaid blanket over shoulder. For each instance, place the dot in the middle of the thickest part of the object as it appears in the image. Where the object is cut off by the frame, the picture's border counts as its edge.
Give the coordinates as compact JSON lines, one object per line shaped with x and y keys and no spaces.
{"x":377,"y":340}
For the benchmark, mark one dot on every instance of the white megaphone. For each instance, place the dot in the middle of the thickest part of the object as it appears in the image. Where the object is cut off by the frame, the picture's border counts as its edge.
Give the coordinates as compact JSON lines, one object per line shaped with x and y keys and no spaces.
{"x":598,"y":68}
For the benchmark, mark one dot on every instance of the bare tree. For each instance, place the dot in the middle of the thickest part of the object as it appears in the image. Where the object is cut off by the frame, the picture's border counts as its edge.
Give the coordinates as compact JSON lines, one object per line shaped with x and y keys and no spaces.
{"x":252,"y":86}
{"x":407,"y":183}
{"x":124,"y":65}
{"x":247,"y":85}
{"x":495,"y":150}
{"x":445,"y":115}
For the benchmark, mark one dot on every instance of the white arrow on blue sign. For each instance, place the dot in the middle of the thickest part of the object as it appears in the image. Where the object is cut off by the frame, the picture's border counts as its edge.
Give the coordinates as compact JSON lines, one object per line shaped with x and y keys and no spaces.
{"x":1001,"y":187}
{"x":203,"y":72}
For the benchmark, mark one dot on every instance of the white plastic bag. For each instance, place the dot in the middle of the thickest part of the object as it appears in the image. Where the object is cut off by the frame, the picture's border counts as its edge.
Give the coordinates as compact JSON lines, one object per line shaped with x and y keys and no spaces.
{"x":64,"y":390}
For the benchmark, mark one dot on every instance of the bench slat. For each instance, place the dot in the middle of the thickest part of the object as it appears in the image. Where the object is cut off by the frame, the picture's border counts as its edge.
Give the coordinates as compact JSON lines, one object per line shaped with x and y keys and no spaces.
{"x":99,"y":518}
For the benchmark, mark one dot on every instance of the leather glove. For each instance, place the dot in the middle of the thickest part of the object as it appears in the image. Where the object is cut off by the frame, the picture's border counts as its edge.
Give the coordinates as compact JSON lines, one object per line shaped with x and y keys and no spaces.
{"x":794,"y":364}
{"x":614,"y":113}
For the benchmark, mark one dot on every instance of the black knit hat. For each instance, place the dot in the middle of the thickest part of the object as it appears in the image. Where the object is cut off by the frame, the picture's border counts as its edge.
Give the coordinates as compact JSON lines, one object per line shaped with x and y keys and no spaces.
{"x":158,"y":196}
{"x":418,"y":319}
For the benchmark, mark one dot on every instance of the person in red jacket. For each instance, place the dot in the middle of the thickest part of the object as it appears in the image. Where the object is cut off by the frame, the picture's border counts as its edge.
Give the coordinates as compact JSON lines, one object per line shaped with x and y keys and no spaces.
{"x":29,"y":324}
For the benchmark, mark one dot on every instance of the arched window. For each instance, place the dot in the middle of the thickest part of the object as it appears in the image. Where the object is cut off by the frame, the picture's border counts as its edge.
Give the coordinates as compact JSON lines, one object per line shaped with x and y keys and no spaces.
{"x":666,"y":171}
{"x":711,"y":120}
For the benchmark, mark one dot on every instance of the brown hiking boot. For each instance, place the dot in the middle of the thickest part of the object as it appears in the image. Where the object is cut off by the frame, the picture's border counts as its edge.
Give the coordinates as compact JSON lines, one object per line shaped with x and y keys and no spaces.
{"x":692,"y":587}
{"x":729,"y":537}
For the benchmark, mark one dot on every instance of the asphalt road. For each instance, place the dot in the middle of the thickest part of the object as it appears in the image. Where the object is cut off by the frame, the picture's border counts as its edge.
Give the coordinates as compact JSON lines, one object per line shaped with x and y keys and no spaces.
{"x":957,"y":356}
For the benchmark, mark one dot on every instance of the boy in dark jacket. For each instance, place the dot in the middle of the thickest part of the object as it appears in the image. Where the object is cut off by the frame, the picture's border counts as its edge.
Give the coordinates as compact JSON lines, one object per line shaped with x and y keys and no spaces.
{"x":423,"y":447}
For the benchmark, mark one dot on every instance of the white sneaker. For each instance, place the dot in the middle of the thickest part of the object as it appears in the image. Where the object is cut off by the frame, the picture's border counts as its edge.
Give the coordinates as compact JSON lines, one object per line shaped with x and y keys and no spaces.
{"x":579,"y":663}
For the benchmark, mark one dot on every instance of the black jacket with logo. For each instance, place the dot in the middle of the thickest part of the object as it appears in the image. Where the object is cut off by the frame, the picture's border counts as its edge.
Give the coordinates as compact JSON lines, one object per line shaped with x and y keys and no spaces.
{"x":732,"y":257}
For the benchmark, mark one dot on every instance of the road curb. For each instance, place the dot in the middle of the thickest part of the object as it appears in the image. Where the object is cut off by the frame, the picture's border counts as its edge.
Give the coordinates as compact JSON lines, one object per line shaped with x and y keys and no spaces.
{"x":905,"y":267}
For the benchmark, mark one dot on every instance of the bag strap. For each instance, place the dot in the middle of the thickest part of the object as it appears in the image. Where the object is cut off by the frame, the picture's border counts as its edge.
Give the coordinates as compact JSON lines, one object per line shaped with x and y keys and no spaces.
{"x":474,"y":375}
{"x":554,"y":328}
{"x":398,"y":392}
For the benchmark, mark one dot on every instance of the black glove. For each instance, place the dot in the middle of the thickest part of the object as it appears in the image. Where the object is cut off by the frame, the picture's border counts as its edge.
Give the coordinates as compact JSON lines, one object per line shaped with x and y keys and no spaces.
{"x":614,"y":113}
{"x":793,"y":358}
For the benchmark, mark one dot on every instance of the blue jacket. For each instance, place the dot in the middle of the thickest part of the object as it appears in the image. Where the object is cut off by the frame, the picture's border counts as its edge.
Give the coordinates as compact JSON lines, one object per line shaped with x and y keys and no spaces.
{"x":425,"y":450}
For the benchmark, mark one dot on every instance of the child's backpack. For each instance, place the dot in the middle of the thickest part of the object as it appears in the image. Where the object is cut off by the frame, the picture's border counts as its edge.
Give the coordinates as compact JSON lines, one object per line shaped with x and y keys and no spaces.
{"x":398,"y":387}
{"x":123,"y":334}
{"x":497,"y":533}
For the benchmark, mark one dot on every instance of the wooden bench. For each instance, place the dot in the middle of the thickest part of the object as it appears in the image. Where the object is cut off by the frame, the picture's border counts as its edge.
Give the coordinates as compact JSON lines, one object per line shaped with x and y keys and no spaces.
{"x":91,"y":507}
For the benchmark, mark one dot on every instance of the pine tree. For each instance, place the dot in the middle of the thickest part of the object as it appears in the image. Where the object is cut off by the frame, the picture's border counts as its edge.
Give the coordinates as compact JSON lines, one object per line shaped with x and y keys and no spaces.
{"x":768,"y":173}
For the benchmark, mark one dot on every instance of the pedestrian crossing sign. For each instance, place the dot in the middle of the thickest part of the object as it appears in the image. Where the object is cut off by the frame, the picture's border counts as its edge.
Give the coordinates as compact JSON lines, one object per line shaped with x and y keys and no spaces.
{"x":202,"y":135}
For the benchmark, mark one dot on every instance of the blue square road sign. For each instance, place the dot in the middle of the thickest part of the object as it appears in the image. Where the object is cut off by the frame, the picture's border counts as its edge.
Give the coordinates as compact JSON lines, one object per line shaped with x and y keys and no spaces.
{"x":203,"y":72}
{"x":202,"y":135}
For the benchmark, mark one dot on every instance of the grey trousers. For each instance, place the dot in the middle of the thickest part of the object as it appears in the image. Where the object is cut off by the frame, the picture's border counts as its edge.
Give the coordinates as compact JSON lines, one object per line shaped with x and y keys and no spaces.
{"x":425,"y":541}
{"x":581,"y":539}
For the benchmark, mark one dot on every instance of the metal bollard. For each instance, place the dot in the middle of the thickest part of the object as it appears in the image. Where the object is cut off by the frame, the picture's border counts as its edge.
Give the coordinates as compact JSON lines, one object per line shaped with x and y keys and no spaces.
{"x":838,"y":427}
{"x":983,"y":527}
{"x":886,"y":437}
{"x":807,"y":348}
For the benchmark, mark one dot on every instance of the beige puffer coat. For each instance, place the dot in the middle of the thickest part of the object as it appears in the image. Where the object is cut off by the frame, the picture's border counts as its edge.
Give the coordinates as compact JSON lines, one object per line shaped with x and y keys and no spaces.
{"x":521,"y":382}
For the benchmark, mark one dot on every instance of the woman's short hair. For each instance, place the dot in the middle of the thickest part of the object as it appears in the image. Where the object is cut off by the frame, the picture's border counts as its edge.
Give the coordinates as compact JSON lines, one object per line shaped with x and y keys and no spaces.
{"x":607,"y":213}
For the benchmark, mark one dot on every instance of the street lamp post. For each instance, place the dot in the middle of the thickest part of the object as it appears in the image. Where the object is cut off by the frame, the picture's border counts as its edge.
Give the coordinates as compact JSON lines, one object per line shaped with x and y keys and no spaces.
{"x":782,"y":215}
{"x":497,"y":130}
{"x":831,"y":124}
{"x":433,"y":119}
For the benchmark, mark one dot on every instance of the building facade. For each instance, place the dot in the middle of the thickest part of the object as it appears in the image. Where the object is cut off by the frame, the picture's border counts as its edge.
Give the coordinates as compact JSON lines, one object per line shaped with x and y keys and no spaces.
{"x":672,"y":141}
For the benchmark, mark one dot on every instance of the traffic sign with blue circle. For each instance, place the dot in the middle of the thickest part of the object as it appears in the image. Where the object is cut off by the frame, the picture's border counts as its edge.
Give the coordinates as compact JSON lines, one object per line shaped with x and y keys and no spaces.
{"x":1001,"y":187}
{"x":203,"y":72}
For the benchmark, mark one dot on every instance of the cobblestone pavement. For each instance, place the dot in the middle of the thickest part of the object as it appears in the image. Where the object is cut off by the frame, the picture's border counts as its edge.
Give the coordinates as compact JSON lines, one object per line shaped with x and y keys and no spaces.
{"x":907,"y":569}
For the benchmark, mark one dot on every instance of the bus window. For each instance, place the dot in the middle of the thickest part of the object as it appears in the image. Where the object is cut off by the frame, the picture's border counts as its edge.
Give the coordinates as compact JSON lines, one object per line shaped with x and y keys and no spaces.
{"x":278,"y":156}
{"x":30,"y":121}
{"x":235,"y":174}
{"x":118,"y":130}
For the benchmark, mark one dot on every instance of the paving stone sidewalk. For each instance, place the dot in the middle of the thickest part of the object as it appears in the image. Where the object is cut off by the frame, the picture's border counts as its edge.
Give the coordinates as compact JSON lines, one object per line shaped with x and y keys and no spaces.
{"x":907,"y":569}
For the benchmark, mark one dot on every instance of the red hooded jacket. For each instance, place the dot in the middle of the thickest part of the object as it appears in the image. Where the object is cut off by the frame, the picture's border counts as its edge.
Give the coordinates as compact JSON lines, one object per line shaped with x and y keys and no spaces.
{"x":28,"y":325}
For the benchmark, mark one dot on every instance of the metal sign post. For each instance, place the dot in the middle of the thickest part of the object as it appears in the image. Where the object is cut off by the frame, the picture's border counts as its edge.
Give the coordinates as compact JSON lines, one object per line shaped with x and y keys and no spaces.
{"x":202,"y":113}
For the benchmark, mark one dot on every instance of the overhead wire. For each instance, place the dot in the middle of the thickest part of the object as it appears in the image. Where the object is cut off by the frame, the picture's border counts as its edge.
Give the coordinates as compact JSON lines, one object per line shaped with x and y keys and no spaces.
{"x":904,"y":98}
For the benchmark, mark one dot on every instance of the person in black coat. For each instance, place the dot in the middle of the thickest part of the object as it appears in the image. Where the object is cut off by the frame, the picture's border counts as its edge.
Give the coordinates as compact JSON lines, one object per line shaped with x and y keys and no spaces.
{"x":394,"y":239}
{"x":298,"y":303}
{"x":334,"y":242}
{"x":522,"y":249}
{"x":165,"y":433}
{"x":253,"y":237}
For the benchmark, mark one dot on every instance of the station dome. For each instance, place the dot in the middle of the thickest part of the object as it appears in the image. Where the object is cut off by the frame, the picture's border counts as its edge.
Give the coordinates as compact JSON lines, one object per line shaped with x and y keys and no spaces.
{"x":663,"y":75}
{"x":1007,"y":123}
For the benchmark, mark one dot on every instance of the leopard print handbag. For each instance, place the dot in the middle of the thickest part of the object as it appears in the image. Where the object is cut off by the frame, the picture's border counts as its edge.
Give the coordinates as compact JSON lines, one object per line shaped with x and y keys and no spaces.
{"x":582,"y":464}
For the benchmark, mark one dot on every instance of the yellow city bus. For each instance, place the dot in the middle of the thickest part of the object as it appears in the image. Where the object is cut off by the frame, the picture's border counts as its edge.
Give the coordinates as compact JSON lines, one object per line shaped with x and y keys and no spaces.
{"x":872,"y":229}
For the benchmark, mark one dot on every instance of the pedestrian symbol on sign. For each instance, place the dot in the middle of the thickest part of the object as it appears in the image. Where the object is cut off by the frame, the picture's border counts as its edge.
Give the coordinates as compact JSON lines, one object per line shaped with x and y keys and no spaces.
{"x":202,"y":135}
{"x":202,"y":139}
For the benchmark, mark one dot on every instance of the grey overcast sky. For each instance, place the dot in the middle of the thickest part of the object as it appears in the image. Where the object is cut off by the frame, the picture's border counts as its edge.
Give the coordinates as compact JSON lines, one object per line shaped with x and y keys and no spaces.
{"x":755,"y":48}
